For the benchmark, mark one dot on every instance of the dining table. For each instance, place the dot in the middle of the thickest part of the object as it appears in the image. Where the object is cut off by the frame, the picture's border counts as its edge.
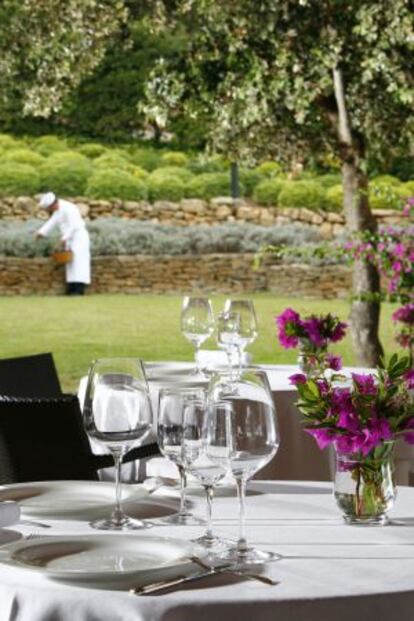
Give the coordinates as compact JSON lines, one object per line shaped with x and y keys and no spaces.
{"x":326,"y":570}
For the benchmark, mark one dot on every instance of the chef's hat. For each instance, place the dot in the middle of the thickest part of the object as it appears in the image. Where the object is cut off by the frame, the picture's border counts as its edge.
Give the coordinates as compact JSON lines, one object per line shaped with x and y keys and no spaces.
{"x":47,"y":200}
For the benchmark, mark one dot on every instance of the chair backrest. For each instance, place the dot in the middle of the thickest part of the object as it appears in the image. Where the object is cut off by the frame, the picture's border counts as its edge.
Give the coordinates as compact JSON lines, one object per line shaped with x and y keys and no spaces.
{"x":29,"y":376}
{"x":43,"y":440}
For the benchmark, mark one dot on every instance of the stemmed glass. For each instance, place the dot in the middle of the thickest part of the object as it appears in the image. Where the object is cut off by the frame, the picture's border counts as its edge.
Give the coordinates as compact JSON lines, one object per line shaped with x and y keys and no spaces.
{"x":243,"y":437}
{"x":173,"y":404}
{"x":248,"y":329}
{"x":228,"y":336}
{"x":197,"y":463}
{"x":117,"y":413}
{"x":197,"y":323}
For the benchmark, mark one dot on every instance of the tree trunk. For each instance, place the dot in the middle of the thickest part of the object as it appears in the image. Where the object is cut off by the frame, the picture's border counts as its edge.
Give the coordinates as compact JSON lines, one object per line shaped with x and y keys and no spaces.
{"x":365,"y":309}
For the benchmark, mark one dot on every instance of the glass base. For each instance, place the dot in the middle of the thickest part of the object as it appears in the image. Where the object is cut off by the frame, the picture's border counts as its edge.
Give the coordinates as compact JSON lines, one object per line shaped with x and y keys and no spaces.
{"x":376,"y":520}
{"x":119,"y":525}
{"x":250,"y":556}
{"x":214,"y":545}
{"x":182,"y":519}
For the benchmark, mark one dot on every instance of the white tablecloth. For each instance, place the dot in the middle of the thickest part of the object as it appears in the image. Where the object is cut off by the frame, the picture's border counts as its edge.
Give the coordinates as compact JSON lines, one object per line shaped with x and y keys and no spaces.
{"x":329,"y":571}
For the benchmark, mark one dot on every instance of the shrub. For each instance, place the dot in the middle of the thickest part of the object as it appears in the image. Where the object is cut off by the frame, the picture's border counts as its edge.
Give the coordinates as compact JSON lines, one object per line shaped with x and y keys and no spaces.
{"x":329,"y":180}
{"x":8,"y":142}
{"x":250,"y":179}
{"x":46,"y":145}
{"x":112,"y":184}
{"x":115,"y":161}
{"x":209,"y":185}
{"x":167,"y":188}
{"x":69,"y":158}
{"x":138,"y":172}
{"x":307,"y":194}
{"x":403,"y":168}
{"x":407,"y":189}
{"x":267,"y":192}
{"x":174,"y":172}
{"x":173,"y":158}
{"x":269,"y":169}
{"x":384,"y":194}
{"x":146,"y":158}
{"x":24,"y":156}
{"x":387,"y":180}
{"x":65,"y":178}
{"x":18,"y":180}
{"x":335,"y":198}
{"x":92,"y":149}
{"x":205,"y":164}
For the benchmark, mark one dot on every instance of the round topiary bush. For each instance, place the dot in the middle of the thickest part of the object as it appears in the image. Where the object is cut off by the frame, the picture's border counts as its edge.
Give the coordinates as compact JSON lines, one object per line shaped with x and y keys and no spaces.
{"x":46,"y":145}
{"x":138,"y":172}
{"x":166,"y":188}
{"x":24,"y":156}
{"x":388,"y":180}
{"x":92,"y":149}
{"x":406,"y":189}
{"x":329,"y":180}
{"x":65,"y":178}
{"x":250,"y":179}
{"x":335,"y":198}
{"x":173,"y":158}
{"x":112,"y":184}
{"x":69,"y":158}
{"x":115,"y":161}
{"x":269,"y":169}
{"x":145,"y":158}
{"x":204,"y":164}
{"x":8,"y":142}
{"x":209,"y":185}
{"x":308,"y":194}
{"x":268,"y":191}
{"x":384,"y":193}
{"x":174,"y":172}
{"x":18,"y":180}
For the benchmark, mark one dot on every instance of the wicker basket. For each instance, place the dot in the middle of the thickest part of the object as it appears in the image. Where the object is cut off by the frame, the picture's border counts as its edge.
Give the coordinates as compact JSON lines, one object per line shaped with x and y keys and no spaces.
{"x":61,"y":257}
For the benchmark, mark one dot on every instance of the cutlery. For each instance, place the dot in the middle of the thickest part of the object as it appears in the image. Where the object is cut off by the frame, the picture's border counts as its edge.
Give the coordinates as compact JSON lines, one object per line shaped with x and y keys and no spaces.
{"x":32,"y":523}
{"x":208,"y":571}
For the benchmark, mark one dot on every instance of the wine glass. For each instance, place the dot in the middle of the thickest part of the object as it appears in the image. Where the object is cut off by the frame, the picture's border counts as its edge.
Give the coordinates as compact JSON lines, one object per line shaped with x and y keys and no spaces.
{"x":117,"y":413}
{"x":248,"y":329}
{"x":197,"y":324}
{"x":243,"y":437}
{"x":173,"y":404}
{"x":228,"y":336}
{"x":197,"y":463}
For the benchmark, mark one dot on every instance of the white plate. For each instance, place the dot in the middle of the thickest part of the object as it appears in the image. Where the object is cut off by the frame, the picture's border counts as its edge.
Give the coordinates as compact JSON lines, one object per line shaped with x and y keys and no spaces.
{"x":100,"y":559}
{"x":69,"y":499}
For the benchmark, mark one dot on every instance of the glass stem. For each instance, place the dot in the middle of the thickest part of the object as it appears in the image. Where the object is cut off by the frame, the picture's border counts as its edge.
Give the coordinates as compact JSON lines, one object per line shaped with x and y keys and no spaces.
{"x":183,"y":481}
{"x":209,"y":496}
{"x":229,"y":353}
{"x":240,"y":355}
{"x":241,"y":543}
{"x":197,"y":368}
{"x":118,"y":514}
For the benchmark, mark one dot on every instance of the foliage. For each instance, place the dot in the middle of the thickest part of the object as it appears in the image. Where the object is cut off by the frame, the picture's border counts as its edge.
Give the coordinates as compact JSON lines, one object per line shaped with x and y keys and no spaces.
{"x":65,"y":177}
{"x":269,"y":169}
{"x":146,"y":158}
{"x":37,"y":69}
{"x":175,"y":172}
{"x":334,"y":198}
{"x":119,"y":236}
{"x":208,"y":164}
{"x":23,"y":156}
{"x":92,"y":149}
{"x":209,"y":185}
{"x":307,"y":194}
{"x":329,"y":180}
{"x":267,"y":192}
{"x":111,"y":184}
{"x":18,"y":179}
{"x":405,"y":316}
{"x":166,"y":188}
{"x":49,"y":144}
{"x":173,"y":158}
{"x":385,"y":192}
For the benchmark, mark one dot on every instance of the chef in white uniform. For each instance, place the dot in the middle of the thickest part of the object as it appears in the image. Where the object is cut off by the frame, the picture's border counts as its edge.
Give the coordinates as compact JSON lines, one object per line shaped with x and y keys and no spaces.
{"x":74,"y":237}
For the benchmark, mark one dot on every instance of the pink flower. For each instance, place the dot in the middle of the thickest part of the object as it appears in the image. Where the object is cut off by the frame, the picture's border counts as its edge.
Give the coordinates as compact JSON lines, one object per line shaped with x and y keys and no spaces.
{"x":297,"y":378}
{"x":289,"y":324}
{"x":333,"y":362}
{"x":409,"y":378}
{"x":409,"y":436}
{"x":323,"y":437}
{"x":365,"y":383}
{"x":405,"y":314}
{"x":314,"y":327}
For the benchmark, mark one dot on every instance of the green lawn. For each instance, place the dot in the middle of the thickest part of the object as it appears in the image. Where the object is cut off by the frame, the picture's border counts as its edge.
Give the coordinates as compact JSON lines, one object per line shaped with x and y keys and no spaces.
{"x":77,"y":330}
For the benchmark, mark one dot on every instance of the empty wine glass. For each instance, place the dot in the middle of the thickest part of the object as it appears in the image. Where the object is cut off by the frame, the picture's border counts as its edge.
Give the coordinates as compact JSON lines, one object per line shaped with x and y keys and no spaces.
{"x":228,"y":336}
{"x":248,"y":329}
{"x":197,"y":463}
{"x":117,"y":413}
{"x":173,"y":404}
{"x":197,"y":323}
{"x":243,"y":437}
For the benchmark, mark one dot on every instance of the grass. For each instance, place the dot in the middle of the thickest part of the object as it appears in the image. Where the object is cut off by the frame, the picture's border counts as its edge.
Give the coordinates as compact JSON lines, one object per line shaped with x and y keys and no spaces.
{"x":78,"y":330}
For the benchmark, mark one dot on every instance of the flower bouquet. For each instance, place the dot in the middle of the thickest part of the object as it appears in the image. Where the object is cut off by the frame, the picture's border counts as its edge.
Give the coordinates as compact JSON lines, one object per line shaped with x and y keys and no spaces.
{"x":361,"y":417}
{"x":312,"y":335}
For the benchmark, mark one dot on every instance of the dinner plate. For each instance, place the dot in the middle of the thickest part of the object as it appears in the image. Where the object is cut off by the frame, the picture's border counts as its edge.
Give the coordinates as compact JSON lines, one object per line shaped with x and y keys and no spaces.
{"x":70,"y":499}
{"x":100,"y":559}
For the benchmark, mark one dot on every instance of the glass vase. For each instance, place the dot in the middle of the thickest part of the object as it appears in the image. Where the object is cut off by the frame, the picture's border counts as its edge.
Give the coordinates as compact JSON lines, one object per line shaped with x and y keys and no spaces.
{"x":364,"y":486}
{"x":310,"y":358}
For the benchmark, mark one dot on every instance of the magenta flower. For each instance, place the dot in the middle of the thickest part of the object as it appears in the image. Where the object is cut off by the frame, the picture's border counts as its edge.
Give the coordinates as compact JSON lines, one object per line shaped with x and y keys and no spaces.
{"x":339,"y":332}
{"x":314,"y":327}
{"x":409,"y":378}
{"x":409,"y":435}
{"x":365,"y":383}
{"x":333,"y":362}
{"x":298,"y":378}
{"x":323,"y":437}
{"x":289,"y":325}
{"x":405,"y":314}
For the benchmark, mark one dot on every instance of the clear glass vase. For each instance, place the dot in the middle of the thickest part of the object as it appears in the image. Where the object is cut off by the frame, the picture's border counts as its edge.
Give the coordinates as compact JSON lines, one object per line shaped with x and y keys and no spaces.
{"x":310,"y":358}
{"x":364,"y":486}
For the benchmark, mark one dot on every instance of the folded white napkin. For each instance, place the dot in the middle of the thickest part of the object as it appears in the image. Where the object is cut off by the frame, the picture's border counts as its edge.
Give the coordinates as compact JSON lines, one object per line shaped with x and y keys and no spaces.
{"x":9,"y":513}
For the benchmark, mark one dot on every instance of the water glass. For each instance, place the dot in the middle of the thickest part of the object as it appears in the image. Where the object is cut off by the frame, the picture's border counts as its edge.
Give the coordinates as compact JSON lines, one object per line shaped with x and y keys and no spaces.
{"x":197,"y":323}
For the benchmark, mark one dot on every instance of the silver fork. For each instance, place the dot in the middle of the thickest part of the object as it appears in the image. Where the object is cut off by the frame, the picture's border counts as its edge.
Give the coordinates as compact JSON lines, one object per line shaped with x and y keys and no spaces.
{"x":232,"y":569}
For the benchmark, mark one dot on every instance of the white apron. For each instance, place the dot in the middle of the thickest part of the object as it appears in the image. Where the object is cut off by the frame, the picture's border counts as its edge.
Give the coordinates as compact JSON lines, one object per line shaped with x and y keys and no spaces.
{"x":76,"y":238}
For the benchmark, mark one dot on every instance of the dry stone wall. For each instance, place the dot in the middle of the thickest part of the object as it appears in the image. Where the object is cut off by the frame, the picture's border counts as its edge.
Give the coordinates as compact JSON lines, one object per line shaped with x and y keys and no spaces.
{"x":227,"y":273}
{"x":195,"y":211}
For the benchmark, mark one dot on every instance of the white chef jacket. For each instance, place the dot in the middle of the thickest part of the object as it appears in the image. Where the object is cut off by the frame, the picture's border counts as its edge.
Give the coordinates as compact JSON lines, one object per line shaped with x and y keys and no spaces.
{"x":73,"y":232}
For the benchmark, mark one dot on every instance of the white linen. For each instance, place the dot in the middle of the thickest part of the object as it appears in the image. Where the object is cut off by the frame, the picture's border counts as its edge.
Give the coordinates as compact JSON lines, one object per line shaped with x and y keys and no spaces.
{"x":9,"y":513}
{"x":76,"y":238}
{"x":329,"y":570}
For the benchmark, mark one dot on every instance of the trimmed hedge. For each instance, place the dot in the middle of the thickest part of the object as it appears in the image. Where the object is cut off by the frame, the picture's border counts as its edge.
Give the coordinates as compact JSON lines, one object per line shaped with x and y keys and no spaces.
{"x":308,"y":194}
{"x":173,"y":158}
{"x":92,"y":149}
{"x":268,"y":191}
{"x":166,"y":188}
{"x":269,"y":169}
{"x":46,"y":145}
{"x":65,"y":178}
{"x":23,"y":156}
{"x":145,"y":158}
{"x":335,"y":198}
{"x":112,"y":184}
{"x":18,"y":180}
{"x":209,"y":185}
